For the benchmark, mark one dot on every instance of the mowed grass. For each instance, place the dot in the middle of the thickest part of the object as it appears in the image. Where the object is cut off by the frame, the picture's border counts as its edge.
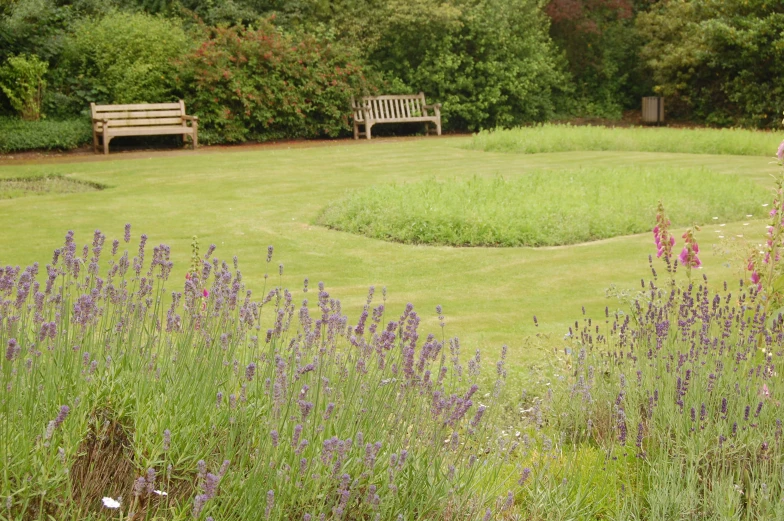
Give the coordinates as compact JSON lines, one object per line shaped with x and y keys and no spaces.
{"x":246,"y":199}
{"x":565,"y":138}
{"x":542,"y":208}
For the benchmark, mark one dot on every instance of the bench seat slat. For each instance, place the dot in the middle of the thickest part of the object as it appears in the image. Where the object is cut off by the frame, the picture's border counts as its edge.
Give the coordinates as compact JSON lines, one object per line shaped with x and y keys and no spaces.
{"x":144,"y":122}
{"x":149,"y":131}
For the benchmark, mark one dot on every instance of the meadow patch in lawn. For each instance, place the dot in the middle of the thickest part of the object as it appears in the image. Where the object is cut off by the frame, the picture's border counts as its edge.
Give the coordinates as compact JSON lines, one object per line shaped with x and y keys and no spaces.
{"x":14,"y":187}
{"x":567,"y":138}
{"x":543,"y":208}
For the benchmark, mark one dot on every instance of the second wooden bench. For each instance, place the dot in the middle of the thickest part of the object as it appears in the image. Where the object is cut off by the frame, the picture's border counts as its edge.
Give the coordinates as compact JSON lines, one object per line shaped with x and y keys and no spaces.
{"x":405,"y":108}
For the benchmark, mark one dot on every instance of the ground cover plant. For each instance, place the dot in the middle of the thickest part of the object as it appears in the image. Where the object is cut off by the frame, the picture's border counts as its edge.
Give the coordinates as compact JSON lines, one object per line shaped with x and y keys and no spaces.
{"x":544,"y":208}
{"x":564,"y":138}
{"x":221,"y":406}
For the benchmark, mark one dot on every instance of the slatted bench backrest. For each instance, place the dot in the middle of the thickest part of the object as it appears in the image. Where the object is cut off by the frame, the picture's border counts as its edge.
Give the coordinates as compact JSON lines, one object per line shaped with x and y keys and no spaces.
{"x":391,"y":107}
{"x":140,"y":114}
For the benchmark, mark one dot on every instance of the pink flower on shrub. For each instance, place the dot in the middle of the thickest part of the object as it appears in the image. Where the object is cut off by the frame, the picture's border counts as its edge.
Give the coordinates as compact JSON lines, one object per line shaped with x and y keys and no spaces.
{"x":688,"y":256}
{"x":661,"y":234}
{"x":780,"y":152}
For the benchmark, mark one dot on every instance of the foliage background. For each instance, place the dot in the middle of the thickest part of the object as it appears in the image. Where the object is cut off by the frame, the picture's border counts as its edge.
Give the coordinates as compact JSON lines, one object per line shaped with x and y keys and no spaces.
{"x":491,"y":63}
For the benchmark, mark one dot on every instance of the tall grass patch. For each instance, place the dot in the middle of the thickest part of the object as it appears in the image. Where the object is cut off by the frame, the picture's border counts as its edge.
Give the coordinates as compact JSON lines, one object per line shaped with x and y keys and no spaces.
{"x":568,"y":138}
{"x":543,"y":208}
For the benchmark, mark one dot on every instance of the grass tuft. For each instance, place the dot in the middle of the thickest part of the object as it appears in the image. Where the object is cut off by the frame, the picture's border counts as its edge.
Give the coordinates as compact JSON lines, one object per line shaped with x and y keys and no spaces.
{"x":568,"y":138}
{"x":543,"y":208}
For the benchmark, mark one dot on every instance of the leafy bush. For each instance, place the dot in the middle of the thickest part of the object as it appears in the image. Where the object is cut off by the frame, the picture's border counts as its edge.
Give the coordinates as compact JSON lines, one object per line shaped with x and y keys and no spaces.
{"x":600,"y":44}
{"x":489,"y":62}
{"x":717,"y":62}
{"x":120,"y":58}
{"x":227,"y":406}
{"x":22,"y":81}
{"x":541,"y":208}
{"x":567,"y":138}
{"x":17,"y":135}
{"x":262,"y":84}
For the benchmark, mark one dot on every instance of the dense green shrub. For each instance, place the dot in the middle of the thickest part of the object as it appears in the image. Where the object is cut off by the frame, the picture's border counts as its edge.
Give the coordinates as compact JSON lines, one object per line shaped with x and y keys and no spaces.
{"x":22,"y":81}
{"x":262,"y":84}
{"x":490,"y":62}
{"x":16,"y":135}
{"x":600,"y":44}
{"x":718,"y":62}
{"x":120,"y":58}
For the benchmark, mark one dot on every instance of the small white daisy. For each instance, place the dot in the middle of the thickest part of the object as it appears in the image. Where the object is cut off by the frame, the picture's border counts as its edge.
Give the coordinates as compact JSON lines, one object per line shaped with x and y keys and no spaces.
{"x":109,"y":502}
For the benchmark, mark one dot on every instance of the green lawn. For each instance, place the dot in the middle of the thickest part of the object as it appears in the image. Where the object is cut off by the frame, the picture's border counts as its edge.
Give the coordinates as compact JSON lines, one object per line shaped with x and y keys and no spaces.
{"x":245,"y":199}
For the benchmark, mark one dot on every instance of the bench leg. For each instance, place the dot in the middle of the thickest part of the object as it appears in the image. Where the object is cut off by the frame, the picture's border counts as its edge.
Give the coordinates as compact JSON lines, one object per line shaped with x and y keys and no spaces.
{"x":95,"y":142}
{"x":106,"y":140}
{"x":356,"y":130}
{"x":367,"y":130}
{"x":438,"y":127}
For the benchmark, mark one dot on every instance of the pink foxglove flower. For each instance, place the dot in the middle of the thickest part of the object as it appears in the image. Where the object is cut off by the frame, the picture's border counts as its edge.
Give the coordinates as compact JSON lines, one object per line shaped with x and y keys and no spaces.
{"x":780,"y":152}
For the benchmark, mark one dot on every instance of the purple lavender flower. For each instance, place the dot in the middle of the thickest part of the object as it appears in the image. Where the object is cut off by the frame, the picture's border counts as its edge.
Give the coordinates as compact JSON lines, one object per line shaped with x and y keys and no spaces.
{"x":127,"y":232}
{"x":139,"y":486}
{"x":61,"y":416}
{"x":478,"y":416}
{"x":759,"y":410}
{"x":270,"y":493}
{"x":269,"y":253}
{"x":746,"y":412}
{"x":509,"y":501}
{"x":524,"y":477}
{"x":198,"y":505}
{"x":328,"y":412}
{"x":274,"y":435}
{"x":166,"y":440}
{"x":12,"y":350}
{"x":295,"y":437}
{"x":211,"y":485}
{"x":250,"y":371}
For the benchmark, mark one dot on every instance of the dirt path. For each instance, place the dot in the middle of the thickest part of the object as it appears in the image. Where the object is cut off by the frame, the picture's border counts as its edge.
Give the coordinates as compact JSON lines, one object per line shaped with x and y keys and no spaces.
{"x":86,"y":154}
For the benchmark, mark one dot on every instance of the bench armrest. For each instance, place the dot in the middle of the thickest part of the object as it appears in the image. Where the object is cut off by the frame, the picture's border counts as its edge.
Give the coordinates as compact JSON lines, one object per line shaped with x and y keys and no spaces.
{"x":190,"y":118}
{"x":436,"y":107}
{"x":103,"y":121}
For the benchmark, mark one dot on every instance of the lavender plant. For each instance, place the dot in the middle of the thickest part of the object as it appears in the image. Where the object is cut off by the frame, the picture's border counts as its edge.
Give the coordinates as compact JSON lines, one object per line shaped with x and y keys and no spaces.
{"x":125,"y":397}
{"x":678,"y":395}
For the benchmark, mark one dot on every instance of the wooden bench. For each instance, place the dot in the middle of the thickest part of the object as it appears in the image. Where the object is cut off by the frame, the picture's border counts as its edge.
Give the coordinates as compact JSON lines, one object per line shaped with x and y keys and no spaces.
{"x":142,"y":119}
{"x":405,"y":108}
